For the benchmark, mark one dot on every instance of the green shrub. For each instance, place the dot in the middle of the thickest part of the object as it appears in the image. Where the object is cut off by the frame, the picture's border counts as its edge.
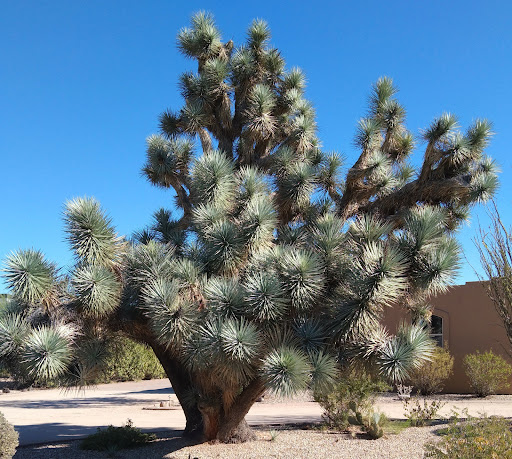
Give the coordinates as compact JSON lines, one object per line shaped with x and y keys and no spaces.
{"x":487,"y":372}
{"x":476,"y":438}
{"x":419,"y":415}
{"x":8,"y":439}
{"x":129,"y":361}
{"x":116,"y":438}
{"x":354,"y":392}
{"x":4,"y":372}
{"x":430,"y":377}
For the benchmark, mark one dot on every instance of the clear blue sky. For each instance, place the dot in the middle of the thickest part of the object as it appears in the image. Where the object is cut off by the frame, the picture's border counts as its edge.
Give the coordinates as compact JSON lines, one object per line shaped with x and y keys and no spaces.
{"x":82,"y":84}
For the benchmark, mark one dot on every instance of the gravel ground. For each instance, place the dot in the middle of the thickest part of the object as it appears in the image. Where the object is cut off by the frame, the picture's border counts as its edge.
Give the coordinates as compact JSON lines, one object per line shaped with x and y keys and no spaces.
{"x":289,"y":443}
{"x":292,"y":441}
{"x":305,"y":396}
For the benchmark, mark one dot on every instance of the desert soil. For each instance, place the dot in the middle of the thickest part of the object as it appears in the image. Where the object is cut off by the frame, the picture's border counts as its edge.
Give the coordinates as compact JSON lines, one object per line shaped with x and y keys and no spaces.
{"x":289,"y":442}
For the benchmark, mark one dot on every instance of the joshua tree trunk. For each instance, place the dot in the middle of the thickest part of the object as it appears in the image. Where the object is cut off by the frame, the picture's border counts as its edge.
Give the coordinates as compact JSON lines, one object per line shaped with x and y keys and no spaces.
{"x":226,"y":422}
{"x":180,"y":381}
{"x":210,"y":422}
{"x":223,"y":421}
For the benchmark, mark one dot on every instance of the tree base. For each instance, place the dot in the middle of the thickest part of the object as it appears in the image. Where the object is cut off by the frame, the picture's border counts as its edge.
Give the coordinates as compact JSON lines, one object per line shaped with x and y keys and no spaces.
{"x":241,"y":434}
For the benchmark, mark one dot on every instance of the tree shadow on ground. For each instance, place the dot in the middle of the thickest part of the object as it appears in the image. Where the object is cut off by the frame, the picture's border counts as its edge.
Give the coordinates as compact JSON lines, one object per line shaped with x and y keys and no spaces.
{"x":86,"y":402}
{"x":163,"y":390}
{"x":168,"y":441}
{"x":68,"y":433}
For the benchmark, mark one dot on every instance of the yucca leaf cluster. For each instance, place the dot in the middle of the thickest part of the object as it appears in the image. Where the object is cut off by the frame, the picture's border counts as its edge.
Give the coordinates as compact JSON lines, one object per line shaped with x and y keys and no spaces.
{"x":275,"y":265}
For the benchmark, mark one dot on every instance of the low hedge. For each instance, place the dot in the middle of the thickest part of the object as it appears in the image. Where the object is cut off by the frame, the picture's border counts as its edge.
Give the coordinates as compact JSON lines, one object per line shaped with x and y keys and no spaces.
{"x":129,"y":361}
{"x":126,"y":360}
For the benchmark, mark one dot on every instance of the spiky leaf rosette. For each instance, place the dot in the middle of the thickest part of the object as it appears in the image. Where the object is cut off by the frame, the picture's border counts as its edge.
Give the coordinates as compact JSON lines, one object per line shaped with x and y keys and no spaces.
{"x":213,"y":179}
{"x":224,"y":349}
{"x":91,"y":234}
{"x":168,"y":230}
{"x":223,"y":248}
{"x":97,"y":289}
{"x":225,"y":297}
{"x":259,"y":221}
{"x":167,"y":161}
{"x":13,"y":334}
{"x":251,"y":182}
{"x":29,"y":275}
{"x":325,"y":371}
{"x":286,"y":371}
{"x":328,"y":238}
{"x":202,"y":41}
{"x":433,"y":255}
{"x":240,"y":346}
{"x":404,"y":352}
{"x":302,"y":278}
{"x":90,"y":356}
{"x":311,"y":334}
{"x":265,"y":297}
{"x":148,"y":261}
{"x":47,"y":353}
{"x":172,"y":317}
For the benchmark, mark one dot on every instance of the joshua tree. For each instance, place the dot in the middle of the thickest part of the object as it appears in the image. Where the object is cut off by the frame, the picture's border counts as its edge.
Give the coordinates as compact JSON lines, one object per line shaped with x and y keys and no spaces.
{"x":272,"y":269}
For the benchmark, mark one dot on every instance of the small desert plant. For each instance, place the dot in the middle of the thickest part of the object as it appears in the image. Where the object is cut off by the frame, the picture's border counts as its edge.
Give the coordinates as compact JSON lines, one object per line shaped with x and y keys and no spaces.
{"x":487,"y":372}
{"x":431,"y":376}
{"x":373,"y":426}
{"x":116,"y":438}
{"x":403,"y":391}
{"x":354,"y":392}
{"x":274,"y":434}
{"x":419,"y":415}
{"x":476,"y":438}
{"x":371,"y":422}
{"x":8,"y":439}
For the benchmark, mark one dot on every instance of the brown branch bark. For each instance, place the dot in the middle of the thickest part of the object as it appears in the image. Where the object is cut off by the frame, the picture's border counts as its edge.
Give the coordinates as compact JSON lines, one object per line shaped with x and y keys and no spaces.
{"x":352,"y":196}
{"x":431,"y":157}
{"x":180,"y":382}
{"x":432,"y":192}
{"x":176,"y":372}
{"x":206,"y":140}
{"x":425,"y":189}
{"x":233,"y":427}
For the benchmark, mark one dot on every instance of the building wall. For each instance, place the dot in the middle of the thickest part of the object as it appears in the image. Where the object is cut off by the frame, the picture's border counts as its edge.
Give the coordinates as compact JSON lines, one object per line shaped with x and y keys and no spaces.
{"x":470,"y":323}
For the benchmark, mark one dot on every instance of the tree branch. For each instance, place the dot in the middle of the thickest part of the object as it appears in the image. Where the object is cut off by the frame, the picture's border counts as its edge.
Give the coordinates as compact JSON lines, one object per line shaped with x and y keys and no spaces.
{"x":206,"y":140}
{"x":240,"y":407}
{"x":433,"y":192}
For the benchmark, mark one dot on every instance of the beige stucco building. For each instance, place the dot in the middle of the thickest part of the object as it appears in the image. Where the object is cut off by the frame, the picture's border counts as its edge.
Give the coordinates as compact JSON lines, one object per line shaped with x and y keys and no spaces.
{"x":465,"y":320}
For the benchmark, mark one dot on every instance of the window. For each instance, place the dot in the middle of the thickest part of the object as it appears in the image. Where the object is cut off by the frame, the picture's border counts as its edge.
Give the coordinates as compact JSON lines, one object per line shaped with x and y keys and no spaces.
{"x":436,"y":330}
